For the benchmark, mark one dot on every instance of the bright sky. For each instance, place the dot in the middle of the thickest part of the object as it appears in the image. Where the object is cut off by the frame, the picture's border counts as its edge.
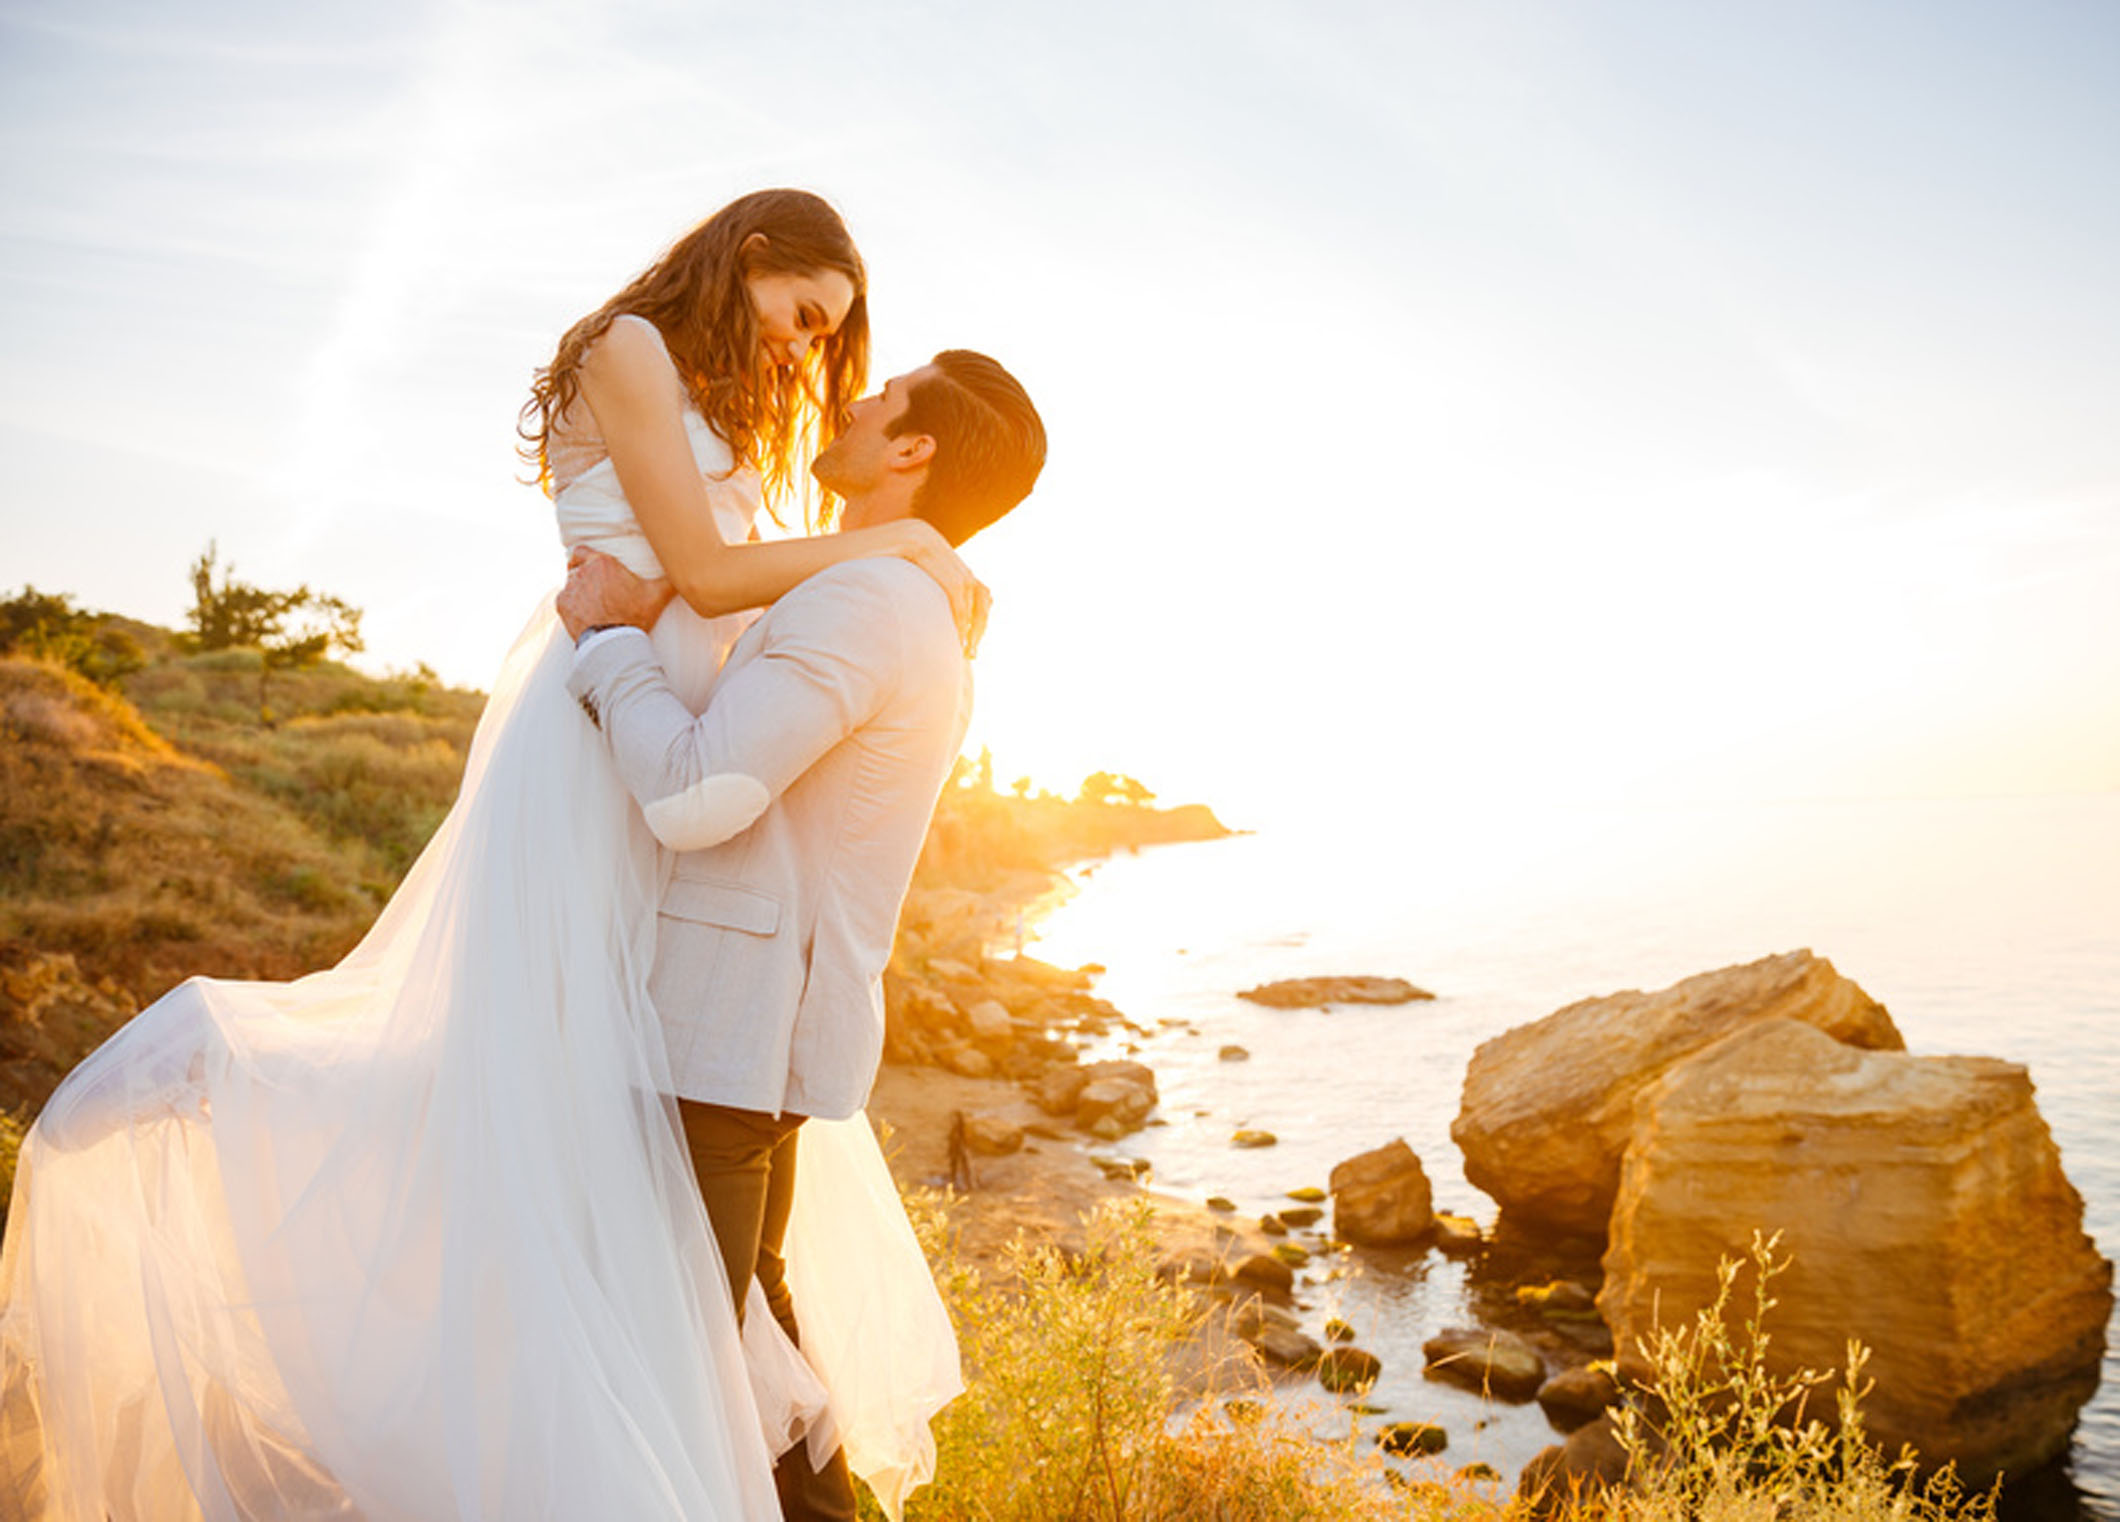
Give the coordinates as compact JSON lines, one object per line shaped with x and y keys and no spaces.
{"x":1628,"y":399}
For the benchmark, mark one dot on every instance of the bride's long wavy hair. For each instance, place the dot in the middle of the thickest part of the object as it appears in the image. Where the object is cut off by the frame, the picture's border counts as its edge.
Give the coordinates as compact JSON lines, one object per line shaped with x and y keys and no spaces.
{"x":774,"y":418}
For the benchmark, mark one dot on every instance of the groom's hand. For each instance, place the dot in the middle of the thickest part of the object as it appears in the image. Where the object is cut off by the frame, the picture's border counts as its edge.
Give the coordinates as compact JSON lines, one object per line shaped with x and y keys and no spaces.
{"x":600,"y":593}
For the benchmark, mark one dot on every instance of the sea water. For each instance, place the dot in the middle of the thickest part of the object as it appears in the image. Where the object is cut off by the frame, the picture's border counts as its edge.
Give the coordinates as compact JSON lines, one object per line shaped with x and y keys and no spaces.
{"x":1986,"y":926}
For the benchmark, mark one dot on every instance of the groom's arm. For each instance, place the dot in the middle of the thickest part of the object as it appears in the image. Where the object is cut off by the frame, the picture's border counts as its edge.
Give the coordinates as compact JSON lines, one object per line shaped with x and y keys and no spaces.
{"x":830,"y":659}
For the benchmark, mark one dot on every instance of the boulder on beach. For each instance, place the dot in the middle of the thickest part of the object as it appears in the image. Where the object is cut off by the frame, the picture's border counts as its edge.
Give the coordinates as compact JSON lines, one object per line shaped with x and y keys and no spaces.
{"x":1310,"y":993}
{"x":1575,"y":1396}
{"x":1591,"y":1460}
{"x":1495,"y":1362}
{"x":992,"y":1135}
{"x":1922,"y":1209}
{"x":1382,"y":1198}
{"x":1548,"y":1107}
{"x":1408,"y":1439}
{"x":1344,"y":1370}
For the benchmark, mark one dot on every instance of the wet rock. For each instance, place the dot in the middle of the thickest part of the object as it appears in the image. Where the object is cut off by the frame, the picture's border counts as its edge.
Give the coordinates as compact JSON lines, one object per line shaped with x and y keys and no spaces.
{"x":1221,"y":1203}
{"x":1267,"y":1272}
{"x":1575,"y":1396}
{"x":1251,"y":1138}
{"x":1233,"y":1054}
{"x":1548,"y":1107}
{"x":1562,"y":1297}
{"x":1309,"y":1194}
{"x":1499,"y":1363}
{"x":1458,"y":1235}
{"x":1273,"y":1226}
{"x":1337,"y":1330}
{"x":1591,"y":1460}
{"x":1382,"y":1198}
{"x":1290,"y":1348}
{"x":1410,"y":1439}
{"x":1923,"y":1209}
{"x":1347,"y":1370}
{"x":1110,"y":1108}
{"x":1310,"y":993}
{"x":1300,"y":1216}
{"x":1291,"y":1253}
{"x":1478,"y":1472}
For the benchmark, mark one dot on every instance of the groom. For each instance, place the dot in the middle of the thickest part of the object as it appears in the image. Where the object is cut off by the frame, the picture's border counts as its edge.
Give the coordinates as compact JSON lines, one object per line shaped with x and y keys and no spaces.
{"x":797,"y":804}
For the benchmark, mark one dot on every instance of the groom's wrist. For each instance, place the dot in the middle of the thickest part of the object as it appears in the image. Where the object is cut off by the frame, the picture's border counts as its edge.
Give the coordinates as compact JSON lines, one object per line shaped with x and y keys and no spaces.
{"x":598,"y":633}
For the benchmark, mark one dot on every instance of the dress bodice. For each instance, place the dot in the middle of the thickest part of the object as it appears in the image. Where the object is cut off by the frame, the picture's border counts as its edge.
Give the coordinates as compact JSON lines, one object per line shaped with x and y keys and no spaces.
{"x":592,"y":510}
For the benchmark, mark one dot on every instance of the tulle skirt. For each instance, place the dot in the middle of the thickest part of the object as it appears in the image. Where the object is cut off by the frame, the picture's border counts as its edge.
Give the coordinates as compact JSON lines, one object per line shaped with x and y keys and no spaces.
{"x":417,"y":1237}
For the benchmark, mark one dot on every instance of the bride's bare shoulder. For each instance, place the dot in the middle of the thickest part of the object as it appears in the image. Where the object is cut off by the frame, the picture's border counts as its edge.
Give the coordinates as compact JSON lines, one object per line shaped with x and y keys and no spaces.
{"x":629,"y":360}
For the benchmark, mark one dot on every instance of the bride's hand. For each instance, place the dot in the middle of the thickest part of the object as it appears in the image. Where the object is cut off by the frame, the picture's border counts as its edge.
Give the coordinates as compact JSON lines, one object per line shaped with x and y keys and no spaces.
{"x":969,"y":598}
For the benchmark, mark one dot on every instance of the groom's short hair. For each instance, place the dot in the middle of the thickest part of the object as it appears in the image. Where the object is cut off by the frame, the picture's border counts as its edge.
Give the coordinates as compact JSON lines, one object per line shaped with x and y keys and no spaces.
{"x":989,"y":442}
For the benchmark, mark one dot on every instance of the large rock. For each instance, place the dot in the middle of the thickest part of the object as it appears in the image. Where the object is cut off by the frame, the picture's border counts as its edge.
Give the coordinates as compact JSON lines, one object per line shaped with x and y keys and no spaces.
{"x":1382,"y":1198}
{"x":1923,"y":1208}
{"x":1548,"y":1107}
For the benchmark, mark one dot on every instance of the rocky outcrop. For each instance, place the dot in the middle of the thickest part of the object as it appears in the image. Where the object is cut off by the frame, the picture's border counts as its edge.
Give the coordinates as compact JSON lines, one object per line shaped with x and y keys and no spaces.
{"x":1548,"y":1107}
{"x":1382,"y":1198}
{"x":1923,"y":1209}
{"x":1310,"y":993}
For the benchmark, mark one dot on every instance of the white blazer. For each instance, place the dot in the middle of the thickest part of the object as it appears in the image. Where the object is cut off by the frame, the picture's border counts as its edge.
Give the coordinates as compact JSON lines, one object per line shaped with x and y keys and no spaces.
{"x":797,"y":804}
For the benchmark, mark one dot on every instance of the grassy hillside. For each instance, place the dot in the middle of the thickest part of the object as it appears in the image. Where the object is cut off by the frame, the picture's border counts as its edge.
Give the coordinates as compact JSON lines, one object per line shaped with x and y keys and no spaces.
{"x":159,"y":828}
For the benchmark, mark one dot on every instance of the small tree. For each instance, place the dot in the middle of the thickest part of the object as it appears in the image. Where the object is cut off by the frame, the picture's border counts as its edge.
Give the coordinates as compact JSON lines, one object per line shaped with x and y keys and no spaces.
{"x":1114,"y":787}
{"x":48,"y":626}
{"x":289,"y":630}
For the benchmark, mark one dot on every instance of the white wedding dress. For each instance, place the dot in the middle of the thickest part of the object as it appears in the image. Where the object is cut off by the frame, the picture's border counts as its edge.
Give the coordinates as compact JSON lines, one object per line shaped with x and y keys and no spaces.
{"x":416,"y":1237}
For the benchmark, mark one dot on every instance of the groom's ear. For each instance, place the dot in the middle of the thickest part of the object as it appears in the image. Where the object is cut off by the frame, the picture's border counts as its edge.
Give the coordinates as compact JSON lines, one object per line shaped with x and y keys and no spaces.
{"x":911,"y":451}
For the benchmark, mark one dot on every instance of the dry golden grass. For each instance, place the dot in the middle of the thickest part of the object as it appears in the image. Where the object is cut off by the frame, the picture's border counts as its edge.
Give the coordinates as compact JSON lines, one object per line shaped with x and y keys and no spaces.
{"x":128,"y":862}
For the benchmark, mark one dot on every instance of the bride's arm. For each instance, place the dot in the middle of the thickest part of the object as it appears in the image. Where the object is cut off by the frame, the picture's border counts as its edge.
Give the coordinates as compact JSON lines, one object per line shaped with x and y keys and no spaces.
{"x":628,"y":382}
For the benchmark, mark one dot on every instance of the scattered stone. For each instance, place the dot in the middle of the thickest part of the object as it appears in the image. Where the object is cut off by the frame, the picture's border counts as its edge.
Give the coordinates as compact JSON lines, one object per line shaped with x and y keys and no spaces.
{"x":1337,"y":1330}
{"x":1591,"y":1460}
{"x":1310,"y":993}
{"x":1498,"y":1363}
{"x":1267,"y":1272}
{"x":1221,"y":1203}
{"x":1309,"y":1194}
{"x":1382,"y":1198}
{"x":1562,"y":1297}
{"x":1407,"y":1439}
{"x":1058,"y":1092}
{"x":1575,"y":1396}
{"x":1348,"y":1370}
{"x":1458,"y":1235}
{"x":1301,"y":1216}
{"x":1548,"y":1107}
{"x":1273,"y":1226}
{"x":967,"y":1060}
{"x":1291,"y":1253}
{"x":1233,"y":1054}
{"x":1923,"y":1209}
{"x":990,"y":1023}
{"x":1478,"y":1471}
{"x":1123,"y":1169}
{"x":992,"y":1135}
{"x":1250,"y":1138}
{"x":1112,"y":1105}
{"x":1283,"y":1345}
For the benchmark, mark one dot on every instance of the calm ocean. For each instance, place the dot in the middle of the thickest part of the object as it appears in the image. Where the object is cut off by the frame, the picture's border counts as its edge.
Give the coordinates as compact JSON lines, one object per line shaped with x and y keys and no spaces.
{"x":1987,"y":926}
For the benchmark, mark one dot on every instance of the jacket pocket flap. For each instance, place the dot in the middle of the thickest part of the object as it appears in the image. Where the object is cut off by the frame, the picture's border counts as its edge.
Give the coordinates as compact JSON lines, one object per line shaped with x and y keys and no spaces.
{"x":707,"y":902}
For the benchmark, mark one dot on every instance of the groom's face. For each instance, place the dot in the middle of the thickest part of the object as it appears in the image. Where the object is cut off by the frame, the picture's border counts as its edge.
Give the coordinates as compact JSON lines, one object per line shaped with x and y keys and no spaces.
{"x":865,"y":457}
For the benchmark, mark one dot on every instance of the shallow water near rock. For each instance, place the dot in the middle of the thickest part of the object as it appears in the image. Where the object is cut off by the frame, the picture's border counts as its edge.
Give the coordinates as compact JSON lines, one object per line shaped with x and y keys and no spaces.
{"x":1986,"y":926}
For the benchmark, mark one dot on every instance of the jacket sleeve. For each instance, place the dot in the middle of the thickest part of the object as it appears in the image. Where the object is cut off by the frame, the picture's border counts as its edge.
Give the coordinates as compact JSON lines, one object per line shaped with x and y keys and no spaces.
{"x":831,"y":657}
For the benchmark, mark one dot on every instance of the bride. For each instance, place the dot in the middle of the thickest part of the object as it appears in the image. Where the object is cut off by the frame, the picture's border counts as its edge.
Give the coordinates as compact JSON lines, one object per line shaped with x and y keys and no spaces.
{"x":416,"y":1237}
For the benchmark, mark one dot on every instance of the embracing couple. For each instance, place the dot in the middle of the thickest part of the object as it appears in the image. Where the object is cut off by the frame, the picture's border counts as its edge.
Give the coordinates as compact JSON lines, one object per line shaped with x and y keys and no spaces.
{"x":512,"y":1213}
